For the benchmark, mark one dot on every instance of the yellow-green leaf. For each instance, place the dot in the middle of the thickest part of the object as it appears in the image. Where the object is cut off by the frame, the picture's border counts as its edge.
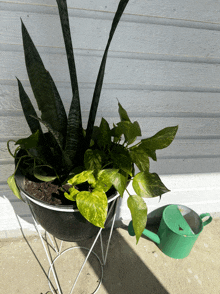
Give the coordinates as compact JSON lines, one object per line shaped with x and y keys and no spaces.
{"x":138,"y":210}
{"x":13,"y":186}
{"x":93,"y":206}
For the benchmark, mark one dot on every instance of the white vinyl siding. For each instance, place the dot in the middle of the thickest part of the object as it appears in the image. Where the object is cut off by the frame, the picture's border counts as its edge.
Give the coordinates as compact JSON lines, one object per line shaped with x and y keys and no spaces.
{"x":163,"y":67}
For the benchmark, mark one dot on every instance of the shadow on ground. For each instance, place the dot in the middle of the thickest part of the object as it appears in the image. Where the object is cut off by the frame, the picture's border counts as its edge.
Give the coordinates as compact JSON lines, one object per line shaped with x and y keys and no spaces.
{"x":124,"y":271}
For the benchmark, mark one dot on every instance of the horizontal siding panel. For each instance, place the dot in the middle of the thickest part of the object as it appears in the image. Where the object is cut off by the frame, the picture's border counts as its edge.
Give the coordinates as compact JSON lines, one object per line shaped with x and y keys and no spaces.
{"x":186,"y":166}
{"x":188,"y":127}
{"x":121,"y":71}
{"x":158,"y":39}
{"x":206,"y":11}
{"x":160,"y":103}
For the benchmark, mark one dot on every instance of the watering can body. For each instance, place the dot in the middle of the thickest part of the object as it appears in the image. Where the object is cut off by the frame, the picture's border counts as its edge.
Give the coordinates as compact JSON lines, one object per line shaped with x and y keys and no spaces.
{"x":179,"y":228}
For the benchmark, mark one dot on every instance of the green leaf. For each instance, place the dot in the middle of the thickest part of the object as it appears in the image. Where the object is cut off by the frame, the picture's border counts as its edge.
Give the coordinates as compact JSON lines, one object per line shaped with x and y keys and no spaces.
{"x":116,"y":132}
{"x":93,"y":206}
{"x":120,"y":182}
{"x":100,"y":78}
{"x":130,"y":130}
{"x":80,"y":178}
{"x":121,"y":159}
{"x":104,"y":138}
{"x":140,"y":158}
{"x":93,"y":159}
{"x":44,"y":89}
{"x":72,"y":193}
{"x":41,"y":174}
{"x":74,"y":137}
{"x":44,"y":178}
{"x":138,"y":210}
{"x":28,"y":109}
{"x":148,"y":185}
{"x":105,"y":179}
{"x":160,"y":140}
{"x":13,"y":186}
{"x":123,"y":113}
{"x":75,"y":111}
{"x":31,"y":142}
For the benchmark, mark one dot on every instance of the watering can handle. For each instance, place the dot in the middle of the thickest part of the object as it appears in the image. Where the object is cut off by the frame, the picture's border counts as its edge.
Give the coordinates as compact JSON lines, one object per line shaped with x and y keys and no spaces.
{"x":208,"y":220}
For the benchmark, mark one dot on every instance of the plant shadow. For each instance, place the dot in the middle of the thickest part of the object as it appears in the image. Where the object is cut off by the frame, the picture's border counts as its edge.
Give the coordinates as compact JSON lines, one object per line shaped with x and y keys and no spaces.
{"x":125,"y":272}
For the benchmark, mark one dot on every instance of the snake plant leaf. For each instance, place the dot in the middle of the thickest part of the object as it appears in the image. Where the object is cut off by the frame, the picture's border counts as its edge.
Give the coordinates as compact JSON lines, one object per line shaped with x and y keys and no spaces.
{"x":138,"y":209}
{"x":28,"y":109}
{"x":44,"y":89}
{"x":140,"y":158}
{"x":61,"y":113}
{"x":93,"y":206}
{"x":123,"y":113}
{"x":148,"y":185}
{"x":74,"y":126}
{"x":57,"y":139}
{"x":104,"y":138}
{"x":160,"y":140}
{"x":99,"y":82}
{"x":64,"y":19}
{"x":13,"y":186}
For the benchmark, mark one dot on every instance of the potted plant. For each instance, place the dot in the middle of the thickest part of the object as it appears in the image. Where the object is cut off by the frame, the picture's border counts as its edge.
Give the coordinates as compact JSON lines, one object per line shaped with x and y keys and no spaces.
{"x":84,"y":166}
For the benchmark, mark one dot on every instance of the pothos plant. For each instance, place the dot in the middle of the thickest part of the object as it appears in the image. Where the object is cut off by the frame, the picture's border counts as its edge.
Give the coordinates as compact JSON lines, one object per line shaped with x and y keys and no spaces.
{"x":90,"y":160}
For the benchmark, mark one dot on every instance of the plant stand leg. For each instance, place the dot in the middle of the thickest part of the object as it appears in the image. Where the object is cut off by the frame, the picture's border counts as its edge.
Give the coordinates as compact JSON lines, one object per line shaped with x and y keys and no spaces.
{"x":60,"y":253}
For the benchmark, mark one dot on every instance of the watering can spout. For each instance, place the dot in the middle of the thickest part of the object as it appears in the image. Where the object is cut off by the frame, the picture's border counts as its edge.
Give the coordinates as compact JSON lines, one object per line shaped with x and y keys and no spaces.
{"x":154,"y":237}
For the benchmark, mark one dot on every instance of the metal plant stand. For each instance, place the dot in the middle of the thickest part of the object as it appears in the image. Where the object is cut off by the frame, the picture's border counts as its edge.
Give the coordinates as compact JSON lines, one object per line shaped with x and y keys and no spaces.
{"x":59,"y":253}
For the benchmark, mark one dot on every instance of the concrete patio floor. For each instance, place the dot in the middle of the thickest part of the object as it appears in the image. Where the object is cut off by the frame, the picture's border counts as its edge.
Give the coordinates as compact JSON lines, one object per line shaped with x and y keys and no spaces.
{"x":130,"y":268}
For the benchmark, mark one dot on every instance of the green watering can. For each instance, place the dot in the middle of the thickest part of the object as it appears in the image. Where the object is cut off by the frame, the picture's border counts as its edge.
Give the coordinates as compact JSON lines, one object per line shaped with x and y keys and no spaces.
{"x":179,"y":228}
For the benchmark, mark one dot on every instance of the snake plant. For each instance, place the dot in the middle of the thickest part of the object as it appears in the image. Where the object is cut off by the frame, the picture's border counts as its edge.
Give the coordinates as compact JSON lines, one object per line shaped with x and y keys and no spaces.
{"x":100,"y":155}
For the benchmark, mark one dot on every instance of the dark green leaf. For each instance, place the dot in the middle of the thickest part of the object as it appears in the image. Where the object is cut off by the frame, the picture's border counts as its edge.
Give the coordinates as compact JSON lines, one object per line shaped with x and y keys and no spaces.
{"x":104,"y":138}
{"x":64,"y":19}
{"x":117,"y":133}
{"x":140,"y":158}
{"x":100,"y":78}
{"x":61,"y":113}
{"x":93,"y":206}
{"x":138,"y":210}
{"x":121,"y":159}
{"x":130,"y":130}
{"x":148,"y":185}
{"x":28,"y":109}
{"x":160,"y":140}
{"x":57,"y":140}
{"x":93,"y":159}
{"x":42,"y":85}
{"x":123,"y":113}
{"x":31,"y":142}
{"x":74,"y":138}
